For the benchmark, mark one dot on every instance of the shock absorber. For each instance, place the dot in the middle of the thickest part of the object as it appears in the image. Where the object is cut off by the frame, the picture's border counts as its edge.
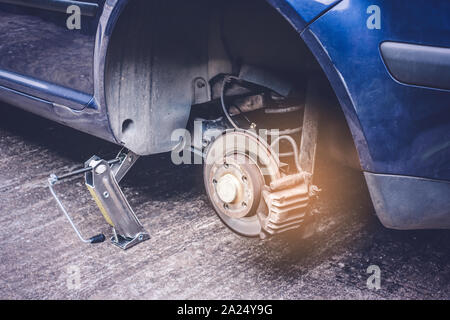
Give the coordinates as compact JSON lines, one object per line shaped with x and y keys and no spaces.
{"x":288,"y":198}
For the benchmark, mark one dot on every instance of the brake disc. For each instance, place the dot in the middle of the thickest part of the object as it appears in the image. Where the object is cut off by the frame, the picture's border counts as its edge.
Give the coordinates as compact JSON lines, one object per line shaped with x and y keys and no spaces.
{"x":237,"y":166}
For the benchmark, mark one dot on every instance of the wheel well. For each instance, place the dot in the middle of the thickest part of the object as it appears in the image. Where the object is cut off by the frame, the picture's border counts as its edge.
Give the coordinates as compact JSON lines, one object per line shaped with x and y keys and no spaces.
{"x":164,"y":54}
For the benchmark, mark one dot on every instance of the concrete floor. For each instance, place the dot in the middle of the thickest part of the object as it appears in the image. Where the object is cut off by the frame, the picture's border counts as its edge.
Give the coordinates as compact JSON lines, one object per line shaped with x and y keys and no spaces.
{"x":191,"y":255}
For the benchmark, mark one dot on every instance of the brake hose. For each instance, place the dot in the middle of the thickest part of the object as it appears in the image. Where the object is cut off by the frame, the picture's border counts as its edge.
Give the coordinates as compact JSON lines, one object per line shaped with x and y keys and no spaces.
{"x":226,"y":80}
{"x":294,"y":147}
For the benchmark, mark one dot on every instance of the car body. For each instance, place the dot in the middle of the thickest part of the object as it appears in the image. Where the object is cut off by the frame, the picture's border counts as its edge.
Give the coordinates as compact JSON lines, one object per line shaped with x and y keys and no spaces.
{"x":388,"y":62}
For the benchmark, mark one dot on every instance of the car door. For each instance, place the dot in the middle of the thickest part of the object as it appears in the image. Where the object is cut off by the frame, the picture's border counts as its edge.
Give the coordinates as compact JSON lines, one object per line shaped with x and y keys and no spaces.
{"x":400,"y":95}
{"x":47,"y":49}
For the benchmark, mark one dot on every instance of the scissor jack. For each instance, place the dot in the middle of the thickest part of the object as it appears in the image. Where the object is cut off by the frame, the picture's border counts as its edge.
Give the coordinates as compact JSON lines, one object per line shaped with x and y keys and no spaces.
{"x":102,"y":180}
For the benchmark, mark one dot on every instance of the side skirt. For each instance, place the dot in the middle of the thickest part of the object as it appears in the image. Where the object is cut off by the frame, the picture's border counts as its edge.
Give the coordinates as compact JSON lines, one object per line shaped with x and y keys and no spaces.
{"x":407,"y":203}
{"x":90,"y":120}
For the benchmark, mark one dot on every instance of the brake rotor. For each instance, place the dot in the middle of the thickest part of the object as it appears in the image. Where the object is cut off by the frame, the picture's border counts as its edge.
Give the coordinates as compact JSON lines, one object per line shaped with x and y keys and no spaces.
{"x":238,"y":165}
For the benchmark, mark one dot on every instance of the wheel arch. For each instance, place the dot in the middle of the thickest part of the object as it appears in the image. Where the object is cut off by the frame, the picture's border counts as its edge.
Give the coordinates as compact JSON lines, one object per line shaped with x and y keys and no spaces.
{"x":335,"y":78}
{"x":114,"y":9}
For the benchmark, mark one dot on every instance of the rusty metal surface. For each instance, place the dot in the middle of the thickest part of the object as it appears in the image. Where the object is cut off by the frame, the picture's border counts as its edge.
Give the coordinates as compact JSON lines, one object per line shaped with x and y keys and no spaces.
{"x":191,"y":254}
{"x":310,"y":132}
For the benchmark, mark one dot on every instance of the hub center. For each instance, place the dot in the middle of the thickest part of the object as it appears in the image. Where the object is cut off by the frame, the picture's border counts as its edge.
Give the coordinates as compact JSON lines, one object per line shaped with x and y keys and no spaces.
{"x":227,"y":188}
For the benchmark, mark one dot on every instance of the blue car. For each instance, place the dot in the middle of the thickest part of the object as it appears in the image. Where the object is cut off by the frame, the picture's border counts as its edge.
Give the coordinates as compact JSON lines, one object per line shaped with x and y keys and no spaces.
{"x":368,"y":80}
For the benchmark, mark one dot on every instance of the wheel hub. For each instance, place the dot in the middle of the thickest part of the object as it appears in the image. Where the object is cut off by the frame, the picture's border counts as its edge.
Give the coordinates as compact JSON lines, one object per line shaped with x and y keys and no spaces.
{"x":228,"y":188}
{"x":234,"y":187}
{"x":237,"y":166}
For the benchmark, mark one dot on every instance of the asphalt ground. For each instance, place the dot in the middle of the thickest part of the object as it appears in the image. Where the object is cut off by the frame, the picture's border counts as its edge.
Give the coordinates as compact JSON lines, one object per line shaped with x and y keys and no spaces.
{"x":191,"y":254}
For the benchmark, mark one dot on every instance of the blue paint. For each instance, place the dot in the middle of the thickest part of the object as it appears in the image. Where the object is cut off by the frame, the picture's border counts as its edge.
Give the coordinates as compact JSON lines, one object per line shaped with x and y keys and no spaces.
{"x":302,"y":12}
{"x":401,"y":125}
{"x":45,"y":90}
{"x":310,"y":9}
{"x":399,"y":129}
{"x":39,"y":45}
{"x":396,"y":126}
{"x":49,"y":70}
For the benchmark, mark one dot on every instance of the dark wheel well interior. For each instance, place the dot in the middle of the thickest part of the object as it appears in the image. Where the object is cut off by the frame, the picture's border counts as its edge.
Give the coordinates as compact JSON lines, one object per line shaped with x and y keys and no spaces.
{"x":164,"y":55}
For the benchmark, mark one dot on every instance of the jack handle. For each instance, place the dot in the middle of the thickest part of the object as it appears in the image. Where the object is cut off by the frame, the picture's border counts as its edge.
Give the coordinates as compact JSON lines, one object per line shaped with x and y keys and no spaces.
{"x":51,"y":182}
